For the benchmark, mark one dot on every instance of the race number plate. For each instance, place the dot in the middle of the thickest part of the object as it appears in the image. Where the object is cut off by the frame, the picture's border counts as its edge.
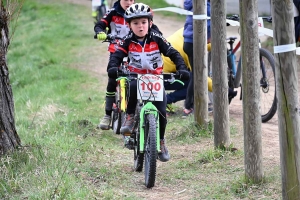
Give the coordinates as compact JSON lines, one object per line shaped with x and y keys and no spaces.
{"x":150,"y":87}
{"x":96,"y":2}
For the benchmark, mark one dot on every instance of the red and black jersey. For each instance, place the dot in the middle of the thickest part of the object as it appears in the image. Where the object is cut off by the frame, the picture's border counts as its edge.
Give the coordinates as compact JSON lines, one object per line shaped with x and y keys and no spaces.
{"x":146,"y":58}
{"x":116,"y":24}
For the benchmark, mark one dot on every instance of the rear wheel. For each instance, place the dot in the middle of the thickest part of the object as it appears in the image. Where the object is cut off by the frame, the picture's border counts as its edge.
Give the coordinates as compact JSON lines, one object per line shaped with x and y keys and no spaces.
{"x":268,"y":99}
{"x":138,"y":156}
{"x":150,"y":150}
{"x":118,"y":119}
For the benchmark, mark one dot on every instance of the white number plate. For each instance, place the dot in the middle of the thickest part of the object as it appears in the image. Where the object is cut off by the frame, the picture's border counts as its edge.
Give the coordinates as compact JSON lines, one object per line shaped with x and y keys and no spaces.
{"x":150,"y":87}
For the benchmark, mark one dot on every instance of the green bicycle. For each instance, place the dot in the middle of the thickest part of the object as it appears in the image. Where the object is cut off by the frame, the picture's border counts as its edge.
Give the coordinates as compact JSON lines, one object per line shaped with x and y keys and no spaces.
{"x":145,"y":137}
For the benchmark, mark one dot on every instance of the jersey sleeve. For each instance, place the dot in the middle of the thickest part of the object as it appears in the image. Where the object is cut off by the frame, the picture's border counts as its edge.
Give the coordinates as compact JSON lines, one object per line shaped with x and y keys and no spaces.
{"x":101,"y":25}
{"x":116,"y":58}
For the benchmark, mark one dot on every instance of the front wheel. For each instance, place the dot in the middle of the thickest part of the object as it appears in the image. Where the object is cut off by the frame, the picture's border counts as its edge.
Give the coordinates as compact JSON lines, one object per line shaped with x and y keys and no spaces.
{"x":268,"y":99}
{"x":150,"y":150}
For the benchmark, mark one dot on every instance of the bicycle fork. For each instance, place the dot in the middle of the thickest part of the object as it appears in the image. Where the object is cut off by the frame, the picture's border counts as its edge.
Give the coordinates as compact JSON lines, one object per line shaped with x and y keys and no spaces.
{"x":148,"y":108}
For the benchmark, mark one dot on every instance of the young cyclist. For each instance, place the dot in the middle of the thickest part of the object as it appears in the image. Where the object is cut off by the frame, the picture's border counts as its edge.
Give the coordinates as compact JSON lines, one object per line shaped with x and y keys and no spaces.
{"x":114,"y":20}
{"x":144,"y":46}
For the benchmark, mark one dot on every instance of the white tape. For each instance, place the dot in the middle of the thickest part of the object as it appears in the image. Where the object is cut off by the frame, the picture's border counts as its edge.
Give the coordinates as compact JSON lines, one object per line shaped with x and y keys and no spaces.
{"x":298,"y":51}
{"x":296,"y":13}
{"x":265,"y":31}
{"x":200,"y":17}
{"x":285,"y":48}
{"x":261,"y":30}
{"x":175,"y":9}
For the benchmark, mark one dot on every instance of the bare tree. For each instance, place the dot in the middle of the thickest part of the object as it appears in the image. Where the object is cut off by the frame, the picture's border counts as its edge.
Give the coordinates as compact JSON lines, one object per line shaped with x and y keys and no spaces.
{"x":9,"y":139}
{"x":288,"y":102}
{"x":251,"y":95}
{"x":200,"y":65}
{"x":220,"y":81}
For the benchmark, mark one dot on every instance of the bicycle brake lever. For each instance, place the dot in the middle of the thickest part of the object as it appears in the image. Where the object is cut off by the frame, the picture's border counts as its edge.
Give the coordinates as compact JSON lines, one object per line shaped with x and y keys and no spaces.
{"x":171,"y":80}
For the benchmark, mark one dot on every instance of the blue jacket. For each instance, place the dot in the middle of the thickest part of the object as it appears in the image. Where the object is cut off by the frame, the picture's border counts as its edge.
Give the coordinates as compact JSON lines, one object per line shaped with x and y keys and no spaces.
{"x":297,"y":21}
{"x":188,"y":26}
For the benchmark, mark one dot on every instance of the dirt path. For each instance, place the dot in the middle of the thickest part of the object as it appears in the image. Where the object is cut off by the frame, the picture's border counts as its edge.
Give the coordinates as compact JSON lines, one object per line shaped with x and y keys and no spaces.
{"x":270,"y":139}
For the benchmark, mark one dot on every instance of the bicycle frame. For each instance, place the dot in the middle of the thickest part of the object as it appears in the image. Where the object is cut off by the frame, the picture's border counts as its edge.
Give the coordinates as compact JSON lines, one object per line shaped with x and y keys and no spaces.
{"x":123,"y":93}
{"x":149,"y":108}
{"x":146,"y":108}
{"x":237,"y":71}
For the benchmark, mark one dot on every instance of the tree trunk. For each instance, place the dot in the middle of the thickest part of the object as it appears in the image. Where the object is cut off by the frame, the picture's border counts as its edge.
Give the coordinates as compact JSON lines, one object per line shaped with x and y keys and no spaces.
{"x":9,"y":139}
{"x":200,"y":64}
{"x":251,"y":86}
{"x":288,"y":102}
{"x":220,"y":81}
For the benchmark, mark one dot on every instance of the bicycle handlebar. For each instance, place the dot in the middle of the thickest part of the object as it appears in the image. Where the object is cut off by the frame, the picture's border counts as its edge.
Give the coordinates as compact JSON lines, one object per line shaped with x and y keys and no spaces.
{"x":237,"y":18}
{"x":167,"y":77}
{"x":110,"y":38}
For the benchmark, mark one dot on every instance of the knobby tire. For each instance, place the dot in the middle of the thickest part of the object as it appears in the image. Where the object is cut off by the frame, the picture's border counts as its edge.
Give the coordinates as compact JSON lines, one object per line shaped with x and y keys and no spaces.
{"x":150,"y":150}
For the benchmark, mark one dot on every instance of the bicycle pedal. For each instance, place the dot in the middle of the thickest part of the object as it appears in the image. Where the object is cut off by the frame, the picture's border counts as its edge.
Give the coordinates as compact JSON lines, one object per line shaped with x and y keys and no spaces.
{"x":129,"y":143}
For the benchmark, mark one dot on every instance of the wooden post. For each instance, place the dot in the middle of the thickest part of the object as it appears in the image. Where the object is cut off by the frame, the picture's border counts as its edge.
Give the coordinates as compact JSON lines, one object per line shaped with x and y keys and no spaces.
{"x":250,"y":87}
{"x":200,"y":63}
{"x":287,"y":94}
{"x":219,"y":69}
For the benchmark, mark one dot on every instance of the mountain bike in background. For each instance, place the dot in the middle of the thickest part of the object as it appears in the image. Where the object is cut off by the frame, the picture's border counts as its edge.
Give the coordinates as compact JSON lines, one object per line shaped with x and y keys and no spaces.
{"x":268,"y":99}
{"x":119,"y":106}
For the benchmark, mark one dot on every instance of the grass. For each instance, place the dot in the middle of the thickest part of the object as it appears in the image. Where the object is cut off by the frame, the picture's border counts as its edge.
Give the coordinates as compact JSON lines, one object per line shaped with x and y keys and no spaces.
{"x":57,"y":106}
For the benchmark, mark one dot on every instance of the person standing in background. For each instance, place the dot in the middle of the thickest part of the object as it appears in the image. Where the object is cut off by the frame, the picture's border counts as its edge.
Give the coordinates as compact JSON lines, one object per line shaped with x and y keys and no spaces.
{"x":188,"y":49}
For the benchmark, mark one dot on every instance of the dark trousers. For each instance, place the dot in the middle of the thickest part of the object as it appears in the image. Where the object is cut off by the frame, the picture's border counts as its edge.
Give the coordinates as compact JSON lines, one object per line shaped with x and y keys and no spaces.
{"x":179,"y":92}
{"x":160,"y":105}
{"x":111,"y":85}
{"x":189,"y":101}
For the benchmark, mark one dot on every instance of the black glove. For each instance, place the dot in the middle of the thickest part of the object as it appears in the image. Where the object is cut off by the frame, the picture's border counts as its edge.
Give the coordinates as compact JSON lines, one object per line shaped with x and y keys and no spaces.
{"x":184,"y":75}
{"x":113,"y":72}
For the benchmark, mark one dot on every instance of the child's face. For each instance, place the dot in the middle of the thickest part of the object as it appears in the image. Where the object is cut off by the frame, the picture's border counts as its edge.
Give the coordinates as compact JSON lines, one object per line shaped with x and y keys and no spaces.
{"x":126,"y":3}
{"x":140,"y":26}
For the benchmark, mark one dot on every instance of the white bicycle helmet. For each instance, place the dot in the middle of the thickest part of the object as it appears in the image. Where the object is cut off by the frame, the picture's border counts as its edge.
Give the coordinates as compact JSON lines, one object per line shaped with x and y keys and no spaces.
{"x":138,"y":10}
